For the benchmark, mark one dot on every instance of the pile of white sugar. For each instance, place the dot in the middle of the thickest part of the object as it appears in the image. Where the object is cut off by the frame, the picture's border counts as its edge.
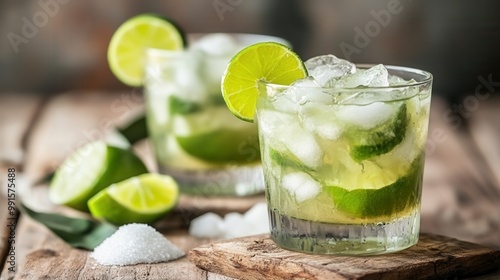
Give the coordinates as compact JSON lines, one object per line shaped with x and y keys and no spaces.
{"x":133,"y":244}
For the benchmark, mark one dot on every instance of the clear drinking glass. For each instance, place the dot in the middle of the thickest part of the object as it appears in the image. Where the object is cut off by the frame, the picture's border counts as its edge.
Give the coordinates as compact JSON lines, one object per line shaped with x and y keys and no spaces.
{"x":344,"y":173}
{"x":194,"y":136}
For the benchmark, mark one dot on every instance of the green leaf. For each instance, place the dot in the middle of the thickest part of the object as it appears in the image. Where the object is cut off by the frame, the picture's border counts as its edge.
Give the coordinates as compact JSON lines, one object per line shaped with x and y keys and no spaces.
{"x":77,"y":232}
{"x":46,"y":179}
{"x":136,"y":130}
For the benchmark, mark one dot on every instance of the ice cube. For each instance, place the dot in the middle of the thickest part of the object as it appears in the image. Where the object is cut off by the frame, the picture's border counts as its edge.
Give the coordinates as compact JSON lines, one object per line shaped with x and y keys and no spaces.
{"x":367,"y":116}
{"x":216,"y":51}
{"x":307,"y":90}
{"x":284,"y":134}
{"x":323,"y":127}
{"x":328,"y":59}
{"x":285,"y":103}
{"x":321,"y":120}
{"x":157,"y":103}
{"x":407,"y":150}
{"x":258,"y":218}
{"x":235,"y":225}
{"x":377,"y":76}
{"x":396,"y":80}
{"x":217,"y":44}
{"x":289,"y":101}
{"x":209,"y":225}
{"x":188,"y":80}
{"x":303,"y":145}
{"x":328,"y":67}
{"x":272,"y":123}
{"x":301,"y":185}
{"x":330,"y":131}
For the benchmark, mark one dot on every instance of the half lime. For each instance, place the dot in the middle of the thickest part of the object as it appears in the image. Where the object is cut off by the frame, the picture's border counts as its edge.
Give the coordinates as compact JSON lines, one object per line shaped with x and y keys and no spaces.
{"x":126,"y":51}
{"x":141,"y":199}
{"x":90,"y":169}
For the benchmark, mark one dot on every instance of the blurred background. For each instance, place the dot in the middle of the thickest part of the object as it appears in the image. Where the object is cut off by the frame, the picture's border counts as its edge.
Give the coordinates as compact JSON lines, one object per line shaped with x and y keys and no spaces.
{"x":49,"y":46}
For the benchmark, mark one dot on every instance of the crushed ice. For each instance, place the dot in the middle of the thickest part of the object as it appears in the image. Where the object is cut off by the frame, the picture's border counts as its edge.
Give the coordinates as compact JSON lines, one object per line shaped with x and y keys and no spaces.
{"x":210,"y":225}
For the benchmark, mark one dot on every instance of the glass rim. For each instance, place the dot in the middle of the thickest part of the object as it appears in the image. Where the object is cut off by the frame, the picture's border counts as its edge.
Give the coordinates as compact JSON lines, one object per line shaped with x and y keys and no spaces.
{"x":191,"y":37}
{"x":427,"y":77}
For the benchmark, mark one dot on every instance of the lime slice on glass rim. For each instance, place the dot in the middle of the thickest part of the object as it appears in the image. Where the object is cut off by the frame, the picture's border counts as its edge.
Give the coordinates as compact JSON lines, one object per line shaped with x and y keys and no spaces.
{"x":267,"y":61}
{"x":127,"y":47}
{"x":90,"y":169}
{"x":141,"y":199}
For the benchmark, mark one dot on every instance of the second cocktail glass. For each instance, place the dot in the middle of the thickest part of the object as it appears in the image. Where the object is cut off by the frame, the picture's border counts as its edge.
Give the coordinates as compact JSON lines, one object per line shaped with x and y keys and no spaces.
{"x":195,"y":137}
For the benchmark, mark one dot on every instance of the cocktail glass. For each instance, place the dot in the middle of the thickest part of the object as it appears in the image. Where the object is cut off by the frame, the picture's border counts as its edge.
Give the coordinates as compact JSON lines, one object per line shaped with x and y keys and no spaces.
{"x":194,"y":136}
{"x":343,"y":167}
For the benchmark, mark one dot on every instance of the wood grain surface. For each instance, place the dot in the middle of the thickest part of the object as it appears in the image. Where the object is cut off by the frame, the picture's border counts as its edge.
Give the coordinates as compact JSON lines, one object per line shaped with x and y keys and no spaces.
{"x":460,"y":194}
{"x":258,"y":257}
{"x":17,"y":113}
{"x":51,"y":258}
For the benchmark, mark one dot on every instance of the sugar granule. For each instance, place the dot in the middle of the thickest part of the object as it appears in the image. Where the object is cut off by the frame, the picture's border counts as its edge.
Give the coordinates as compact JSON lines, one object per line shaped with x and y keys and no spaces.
{"x":134,"y":244}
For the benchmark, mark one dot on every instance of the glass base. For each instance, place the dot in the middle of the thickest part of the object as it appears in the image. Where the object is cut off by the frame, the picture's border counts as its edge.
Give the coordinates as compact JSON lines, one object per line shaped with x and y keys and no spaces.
{"x":344,"y":239}
{"x":234,"y":180}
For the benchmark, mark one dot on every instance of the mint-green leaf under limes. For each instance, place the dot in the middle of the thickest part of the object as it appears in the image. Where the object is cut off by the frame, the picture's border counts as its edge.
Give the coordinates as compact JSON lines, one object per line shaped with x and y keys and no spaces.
{"x":135,"y":130}
{"x":77,"y":232}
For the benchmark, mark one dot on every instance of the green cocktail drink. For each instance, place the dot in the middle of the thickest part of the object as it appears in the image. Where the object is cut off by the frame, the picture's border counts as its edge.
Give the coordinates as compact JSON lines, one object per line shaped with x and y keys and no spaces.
{"x":343,"y":157}
{"x":195,"y":137}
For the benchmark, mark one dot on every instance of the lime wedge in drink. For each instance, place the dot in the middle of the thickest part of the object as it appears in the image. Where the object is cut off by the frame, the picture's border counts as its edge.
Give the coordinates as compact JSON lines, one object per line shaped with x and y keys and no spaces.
{"x":288,"y":160}
{"x":127,"y":47}
{"x":141,"y":199}
{"x":90,"y":169}
{"x":222,"y":146}
{"x":216,"y":136}
{"x":270,"y":62}
{"x":391,"y":199}
{"x":365,"y":144}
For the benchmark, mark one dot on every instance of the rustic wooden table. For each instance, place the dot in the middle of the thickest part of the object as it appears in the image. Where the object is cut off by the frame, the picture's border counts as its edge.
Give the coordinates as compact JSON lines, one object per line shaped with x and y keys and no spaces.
{"x":461,"y":196}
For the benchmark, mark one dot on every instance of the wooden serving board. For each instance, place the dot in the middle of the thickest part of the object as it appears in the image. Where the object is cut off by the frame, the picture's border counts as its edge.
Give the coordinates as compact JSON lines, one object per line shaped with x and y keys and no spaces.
{"x":258,"y":257}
